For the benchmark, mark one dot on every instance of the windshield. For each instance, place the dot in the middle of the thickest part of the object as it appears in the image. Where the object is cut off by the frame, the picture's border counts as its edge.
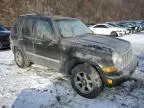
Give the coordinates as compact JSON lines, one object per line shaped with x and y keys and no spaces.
{"x":72,"y":28}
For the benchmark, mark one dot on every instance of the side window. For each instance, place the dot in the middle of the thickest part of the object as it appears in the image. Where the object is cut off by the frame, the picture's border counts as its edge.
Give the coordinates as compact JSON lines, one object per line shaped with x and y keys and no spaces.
{"x":44,"y":28}
{"x":96,"y":26}
{"x":103,"y":26}
{"x":100,"y":26}
{"x":27,"y":27}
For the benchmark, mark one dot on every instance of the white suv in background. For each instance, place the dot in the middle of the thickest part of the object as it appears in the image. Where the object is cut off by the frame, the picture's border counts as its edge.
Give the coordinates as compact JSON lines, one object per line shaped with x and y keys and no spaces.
{"x":106,"y":29}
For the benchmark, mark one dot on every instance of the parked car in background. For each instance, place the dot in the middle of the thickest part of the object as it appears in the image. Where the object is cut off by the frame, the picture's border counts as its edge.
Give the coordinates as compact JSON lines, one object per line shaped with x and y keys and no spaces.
{"x":123,"y":24}
{"x":4,"y":37}
{"x":92,"y":61}
{"x":8,"y":28}
{"x":107,"y":29}
{"x":127,"y":29}
{"x":142,"y":26}
{"x":136,"y":24}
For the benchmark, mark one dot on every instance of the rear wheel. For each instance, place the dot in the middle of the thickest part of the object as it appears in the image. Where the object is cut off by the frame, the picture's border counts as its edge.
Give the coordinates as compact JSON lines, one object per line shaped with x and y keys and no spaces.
{"x":86,"y":81}
{"x":114,"y":34}
{"x":20,"y":59}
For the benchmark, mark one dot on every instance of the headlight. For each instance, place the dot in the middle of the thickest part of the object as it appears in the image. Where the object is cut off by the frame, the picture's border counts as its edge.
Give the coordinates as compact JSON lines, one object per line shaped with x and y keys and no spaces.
{"x":117,"y":60}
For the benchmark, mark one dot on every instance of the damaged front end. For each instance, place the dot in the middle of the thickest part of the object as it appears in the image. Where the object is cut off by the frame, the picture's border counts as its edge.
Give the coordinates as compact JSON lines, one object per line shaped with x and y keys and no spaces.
{"x":115,"y":64}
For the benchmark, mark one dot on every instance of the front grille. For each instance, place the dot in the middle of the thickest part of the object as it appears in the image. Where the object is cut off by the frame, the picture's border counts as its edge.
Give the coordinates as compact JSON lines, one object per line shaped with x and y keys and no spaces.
{"x":127,"y":57}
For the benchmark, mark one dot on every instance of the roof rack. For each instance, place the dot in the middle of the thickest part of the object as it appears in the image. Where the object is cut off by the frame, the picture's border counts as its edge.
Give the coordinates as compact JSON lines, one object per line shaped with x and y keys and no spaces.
{"x":31,"y":12}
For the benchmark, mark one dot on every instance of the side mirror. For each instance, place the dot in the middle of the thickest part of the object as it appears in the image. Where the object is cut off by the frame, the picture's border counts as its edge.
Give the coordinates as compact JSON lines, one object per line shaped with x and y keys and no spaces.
{"x":47,"y":38}
{"x":51,"y":39}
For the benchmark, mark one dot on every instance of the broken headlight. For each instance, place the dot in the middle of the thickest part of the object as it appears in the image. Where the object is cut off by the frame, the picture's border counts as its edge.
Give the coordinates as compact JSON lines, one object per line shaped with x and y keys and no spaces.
{"x":117,"y":60}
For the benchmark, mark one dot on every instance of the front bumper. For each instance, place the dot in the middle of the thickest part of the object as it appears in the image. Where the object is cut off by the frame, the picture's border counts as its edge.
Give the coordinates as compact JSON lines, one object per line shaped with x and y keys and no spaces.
{"x":123,"y":75}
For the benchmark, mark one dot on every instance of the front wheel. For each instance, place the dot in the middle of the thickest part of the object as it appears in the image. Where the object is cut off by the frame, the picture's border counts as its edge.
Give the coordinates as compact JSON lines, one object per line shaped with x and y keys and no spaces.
{"x":86,"y":81}
{"x":114,"y":34}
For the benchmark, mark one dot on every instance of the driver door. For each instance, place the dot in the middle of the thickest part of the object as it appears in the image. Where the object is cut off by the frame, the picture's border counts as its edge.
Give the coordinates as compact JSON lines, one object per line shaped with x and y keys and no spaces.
{"x":46,"y":47}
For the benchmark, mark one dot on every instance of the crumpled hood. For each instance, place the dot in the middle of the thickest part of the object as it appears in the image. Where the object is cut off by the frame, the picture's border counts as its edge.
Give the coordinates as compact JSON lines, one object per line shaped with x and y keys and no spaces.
{"x":97,"y":41}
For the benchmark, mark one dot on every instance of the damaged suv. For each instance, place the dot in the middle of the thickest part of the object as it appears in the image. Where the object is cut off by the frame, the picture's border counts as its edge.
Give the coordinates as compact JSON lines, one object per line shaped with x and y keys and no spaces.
{"x":92,"y":61}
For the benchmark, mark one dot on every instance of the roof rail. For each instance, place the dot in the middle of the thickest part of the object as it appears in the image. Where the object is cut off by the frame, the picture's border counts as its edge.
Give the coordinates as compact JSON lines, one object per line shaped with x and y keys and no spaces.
{"x":31,"y":12}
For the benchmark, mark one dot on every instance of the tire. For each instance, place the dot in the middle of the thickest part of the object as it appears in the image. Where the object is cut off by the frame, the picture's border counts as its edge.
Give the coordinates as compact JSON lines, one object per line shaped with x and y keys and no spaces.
{"x":20,"y":59}
{"x":114,"y":34}
{"x":86,"y":81}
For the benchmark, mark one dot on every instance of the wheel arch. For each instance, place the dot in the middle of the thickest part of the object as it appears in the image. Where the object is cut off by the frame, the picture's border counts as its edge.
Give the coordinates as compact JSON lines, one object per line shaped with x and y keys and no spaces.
{"x":114,"y":32}
{"x":70,"y":63}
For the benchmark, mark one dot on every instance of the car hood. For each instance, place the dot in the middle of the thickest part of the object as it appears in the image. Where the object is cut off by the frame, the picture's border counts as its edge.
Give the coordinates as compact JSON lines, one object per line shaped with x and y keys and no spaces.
{"x":98,"y":41}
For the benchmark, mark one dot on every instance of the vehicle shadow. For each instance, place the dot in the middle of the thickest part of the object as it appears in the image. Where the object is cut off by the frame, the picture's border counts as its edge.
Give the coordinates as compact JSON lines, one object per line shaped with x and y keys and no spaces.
{"x":61,"y":95}
{"x":54,"y":95}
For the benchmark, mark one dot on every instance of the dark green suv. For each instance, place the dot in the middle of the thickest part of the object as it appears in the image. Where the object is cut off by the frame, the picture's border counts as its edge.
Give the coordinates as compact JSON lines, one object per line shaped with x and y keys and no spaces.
{"x":92,"y":61}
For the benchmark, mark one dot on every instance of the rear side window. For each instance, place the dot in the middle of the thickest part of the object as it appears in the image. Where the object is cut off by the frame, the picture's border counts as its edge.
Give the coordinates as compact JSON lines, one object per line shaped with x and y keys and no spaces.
{"x":27,"y":27}
{"x":14,"y":28}
{"x":44,"y":28}
{"x":17,"y":26}
{"x":100,"y":26}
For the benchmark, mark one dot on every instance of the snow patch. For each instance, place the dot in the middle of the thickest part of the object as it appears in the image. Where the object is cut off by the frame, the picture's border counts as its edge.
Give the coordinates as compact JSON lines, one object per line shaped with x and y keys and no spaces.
{"x":43,"y":87}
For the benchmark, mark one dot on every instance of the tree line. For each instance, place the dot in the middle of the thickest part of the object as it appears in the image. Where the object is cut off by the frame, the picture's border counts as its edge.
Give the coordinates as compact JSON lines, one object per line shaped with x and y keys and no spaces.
{"x":90,"y":11}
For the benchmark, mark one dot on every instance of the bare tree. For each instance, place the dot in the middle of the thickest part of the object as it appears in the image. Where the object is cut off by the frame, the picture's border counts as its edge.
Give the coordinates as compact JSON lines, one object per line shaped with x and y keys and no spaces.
{"x":90,"y":11}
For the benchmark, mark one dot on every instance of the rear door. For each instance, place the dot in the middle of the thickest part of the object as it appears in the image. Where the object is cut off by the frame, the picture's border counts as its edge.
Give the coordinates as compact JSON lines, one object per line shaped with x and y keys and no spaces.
{"x":27,"y":34}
